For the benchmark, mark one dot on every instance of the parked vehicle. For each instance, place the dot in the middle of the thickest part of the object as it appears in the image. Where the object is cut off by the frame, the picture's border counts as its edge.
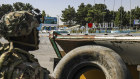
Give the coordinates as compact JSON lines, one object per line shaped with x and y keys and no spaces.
{"x":60,"y":31}
{"x":96,"y":57}
{"x":43,"y":31}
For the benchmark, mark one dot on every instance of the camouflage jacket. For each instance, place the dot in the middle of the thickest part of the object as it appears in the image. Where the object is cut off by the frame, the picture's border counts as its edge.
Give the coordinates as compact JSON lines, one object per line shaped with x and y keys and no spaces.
{"x":16,"y":63}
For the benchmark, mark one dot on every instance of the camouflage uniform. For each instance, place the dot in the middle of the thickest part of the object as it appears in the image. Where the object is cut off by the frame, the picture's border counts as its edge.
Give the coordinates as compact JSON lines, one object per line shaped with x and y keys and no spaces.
{"x":16,"y":63}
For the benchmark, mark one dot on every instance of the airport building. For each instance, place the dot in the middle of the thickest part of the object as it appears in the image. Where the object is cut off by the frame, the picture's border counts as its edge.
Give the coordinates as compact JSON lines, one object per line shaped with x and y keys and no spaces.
{"x":49,"y":23}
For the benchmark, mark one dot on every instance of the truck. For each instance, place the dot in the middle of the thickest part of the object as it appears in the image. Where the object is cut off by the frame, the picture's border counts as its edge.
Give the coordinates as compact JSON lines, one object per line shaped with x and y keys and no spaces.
{"x":104,"y":56}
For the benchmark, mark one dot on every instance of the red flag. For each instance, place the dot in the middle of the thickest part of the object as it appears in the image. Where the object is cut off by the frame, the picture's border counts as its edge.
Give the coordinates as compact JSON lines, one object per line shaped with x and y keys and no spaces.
{"x":90,"y":25}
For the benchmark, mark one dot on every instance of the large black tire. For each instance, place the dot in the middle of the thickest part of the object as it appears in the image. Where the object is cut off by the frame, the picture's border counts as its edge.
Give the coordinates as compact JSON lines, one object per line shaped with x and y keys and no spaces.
{"x":84,"y":58}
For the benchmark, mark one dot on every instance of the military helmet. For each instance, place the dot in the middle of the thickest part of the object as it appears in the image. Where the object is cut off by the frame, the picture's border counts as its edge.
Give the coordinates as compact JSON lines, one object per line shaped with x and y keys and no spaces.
{"x":18,"y":23}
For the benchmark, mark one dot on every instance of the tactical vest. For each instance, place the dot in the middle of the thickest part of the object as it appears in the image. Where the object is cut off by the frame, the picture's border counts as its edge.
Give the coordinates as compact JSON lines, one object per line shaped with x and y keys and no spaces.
{"x":16,"y":63}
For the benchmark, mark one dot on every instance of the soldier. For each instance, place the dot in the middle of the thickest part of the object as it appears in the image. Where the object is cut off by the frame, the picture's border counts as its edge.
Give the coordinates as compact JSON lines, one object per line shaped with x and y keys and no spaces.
{"x":19,"y":28}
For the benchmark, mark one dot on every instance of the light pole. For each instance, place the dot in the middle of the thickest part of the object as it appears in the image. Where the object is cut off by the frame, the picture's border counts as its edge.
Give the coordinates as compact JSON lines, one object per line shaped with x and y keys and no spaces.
{"x":104,"y":15}
{"x":121,"y":14}
{"x":57,"y":21}
{"x":130,"y":13}
{"x":113,"y":13}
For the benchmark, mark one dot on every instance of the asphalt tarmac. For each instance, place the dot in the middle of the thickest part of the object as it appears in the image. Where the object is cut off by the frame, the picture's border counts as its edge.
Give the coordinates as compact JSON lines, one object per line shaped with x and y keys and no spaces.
{"x":45,"y":54}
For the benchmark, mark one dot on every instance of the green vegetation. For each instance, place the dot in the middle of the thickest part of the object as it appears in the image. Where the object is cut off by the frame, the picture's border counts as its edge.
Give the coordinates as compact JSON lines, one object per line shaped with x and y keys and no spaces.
{"x":99,"y":13}
{"x":68,"y":15}
{"x":43,"y":16}
{"x":18,"y":6}
{"x":5,"y":8}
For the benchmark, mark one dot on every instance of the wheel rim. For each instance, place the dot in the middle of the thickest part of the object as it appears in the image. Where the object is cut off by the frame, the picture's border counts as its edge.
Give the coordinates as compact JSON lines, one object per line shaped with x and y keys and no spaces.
{"x":89,"y":72}
{"x":93,"y":73}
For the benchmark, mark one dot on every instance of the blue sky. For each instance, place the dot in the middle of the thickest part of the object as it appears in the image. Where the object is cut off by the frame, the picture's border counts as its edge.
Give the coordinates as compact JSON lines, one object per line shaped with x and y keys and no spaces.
{"x":54,"y":7}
